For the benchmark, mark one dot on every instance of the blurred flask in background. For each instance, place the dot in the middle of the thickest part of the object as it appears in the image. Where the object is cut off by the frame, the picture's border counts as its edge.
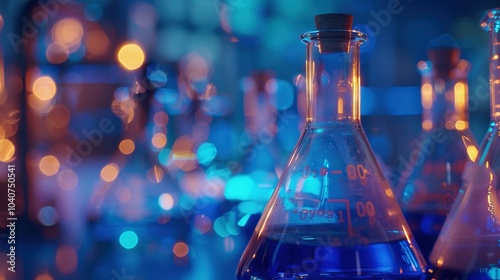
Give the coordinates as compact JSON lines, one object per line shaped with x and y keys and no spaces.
{"x":430,"y":182}
{"x":252,"y":187}
{"x":468,"y":246}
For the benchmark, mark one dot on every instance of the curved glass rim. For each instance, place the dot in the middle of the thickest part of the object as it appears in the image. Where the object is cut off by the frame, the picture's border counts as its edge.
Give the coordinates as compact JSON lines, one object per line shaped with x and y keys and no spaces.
{"x":352,"y":35}
{"x":489,"y":17}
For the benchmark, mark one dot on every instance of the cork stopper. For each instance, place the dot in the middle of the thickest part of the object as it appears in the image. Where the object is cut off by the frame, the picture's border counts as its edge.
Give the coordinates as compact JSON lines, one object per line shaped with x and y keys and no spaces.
{"x":333,"y":21}
{"x":444,"y":54}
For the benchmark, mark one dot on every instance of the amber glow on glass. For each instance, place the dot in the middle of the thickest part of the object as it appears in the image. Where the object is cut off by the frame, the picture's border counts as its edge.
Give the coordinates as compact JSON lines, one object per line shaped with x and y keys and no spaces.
{"x":155,"y":174}
{"x":426,"y":96}
{"x":340,"y":106}
{"x":472,"y":152}
{"x":460,"y":101}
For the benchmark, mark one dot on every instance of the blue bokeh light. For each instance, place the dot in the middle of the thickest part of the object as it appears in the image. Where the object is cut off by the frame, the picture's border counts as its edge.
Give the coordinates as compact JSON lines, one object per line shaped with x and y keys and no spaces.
{"x":240,"y":187}
{"x":206,"y":153}
{"x":128,"y":239}
{"x":48,"y":216}
{"x":164,"y":157}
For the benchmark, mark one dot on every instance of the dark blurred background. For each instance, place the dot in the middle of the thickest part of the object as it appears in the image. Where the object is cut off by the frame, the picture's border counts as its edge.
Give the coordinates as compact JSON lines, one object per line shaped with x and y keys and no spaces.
{"x":221,"y":86}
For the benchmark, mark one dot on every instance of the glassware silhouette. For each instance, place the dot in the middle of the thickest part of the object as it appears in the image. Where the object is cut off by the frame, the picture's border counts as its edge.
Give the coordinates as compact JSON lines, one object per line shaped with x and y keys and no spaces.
{"x":333,"y":214}
{"x":259,"y":152}
{"x":432,"y":179}
{"x":468,"y":245}
{"x":133,"y":218}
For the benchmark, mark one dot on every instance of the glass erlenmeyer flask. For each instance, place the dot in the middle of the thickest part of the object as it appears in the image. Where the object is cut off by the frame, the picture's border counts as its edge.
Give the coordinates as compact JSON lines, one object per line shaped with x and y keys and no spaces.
{"x":133,"y":222}
{"x":431,"y":181}
{"x":333,"y":214}
{"x":468,"y":246}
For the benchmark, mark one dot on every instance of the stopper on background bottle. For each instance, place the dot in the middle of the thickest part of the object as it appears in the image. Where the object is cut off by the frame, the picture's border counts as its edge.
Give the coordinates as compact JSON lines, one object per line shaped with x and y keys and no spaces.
{"x":444,"y":54}
{"x":328,"y":41}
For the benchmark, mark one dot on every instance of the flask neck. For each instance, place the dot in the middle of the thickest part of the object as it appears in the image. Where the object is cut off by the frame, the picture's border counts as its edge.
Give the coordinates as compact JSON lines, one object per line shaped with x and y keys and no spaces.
{"x":332,"y":77}
{"x":491,"y":23}
{"x":444,"y":97}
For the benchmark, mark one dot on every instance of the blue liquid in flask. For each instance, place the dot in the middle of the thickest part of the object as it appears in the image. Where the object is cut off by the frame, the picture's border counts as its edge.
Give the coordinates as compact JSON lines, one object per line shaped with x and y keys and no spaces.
{"x":323,"y":251}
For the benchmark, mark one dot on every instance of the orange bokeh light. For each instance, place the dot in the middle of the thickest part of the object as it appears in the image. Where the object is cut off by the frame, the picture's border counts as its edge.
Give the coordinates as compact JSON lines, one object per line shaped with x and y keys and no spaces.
{"x":126,"y":146}
{"x":181,"y":249}
{"x":159,"y":140}
{"x":131,"y":56}
{"x":7,"y":150}
{"x":49,"y":165}
{"x":44,"y":88}
{"x":110,"y":172}
{"x":68,"y":32}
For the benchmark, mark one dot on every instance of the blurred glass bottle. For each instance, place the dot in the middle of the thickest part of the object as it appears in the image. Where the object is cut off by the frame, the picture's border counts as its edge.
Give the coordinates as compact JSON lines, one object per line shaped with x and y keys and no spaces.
{"x":258,"y":151}
{"x":468,"y":246}
{"x":431,"y":179}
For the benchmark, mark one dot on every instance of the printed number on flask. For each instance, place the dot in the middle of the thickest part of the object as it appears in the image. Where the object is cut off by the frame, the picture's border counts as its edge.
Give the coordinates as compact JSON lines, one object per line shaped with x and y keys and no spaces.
{"x":354,"y":172}
{"x":365,"y":209}
{"x":305,"y":214}
{"x":357,"y":172}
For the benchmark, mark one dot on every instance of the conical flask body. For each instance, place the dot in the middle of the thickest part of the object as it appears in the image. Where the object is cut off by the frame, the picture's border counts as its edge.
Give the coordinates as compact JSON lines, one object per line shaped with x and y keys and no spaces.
{"x":431,"y":177}
{"x":332,"y":216}
{"x":468,"y":245}
{"x":432,"y":181}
